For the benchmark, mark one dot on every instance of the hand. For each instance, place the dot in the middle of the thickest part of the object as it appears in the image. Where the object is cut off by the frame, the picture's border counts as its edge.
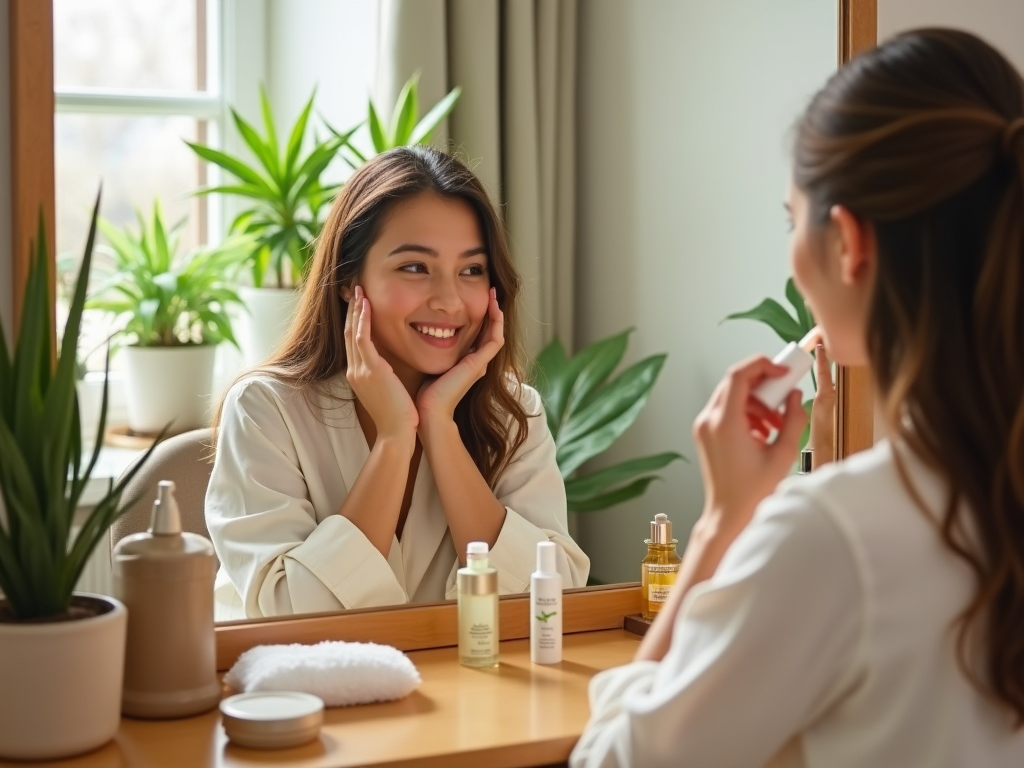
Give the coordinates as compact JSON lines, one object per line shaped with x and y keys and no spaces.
{"x":372,"y":379}
{"x":438,"y":396}
{"x":738,"y":465}
{"x":823,"y":425}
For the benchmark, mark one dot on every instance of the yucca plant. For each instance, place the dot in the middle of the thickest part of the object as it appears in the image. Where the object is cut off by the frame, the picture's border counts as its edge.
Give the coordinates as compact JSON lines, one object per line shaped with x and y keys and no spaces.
{"x":406,"y":128}
{"x":587,"y":412}
{"x":788,"y":326}
{"x":165,"y":297}
{"x":283,"y":187}
{"x":41,"y":471}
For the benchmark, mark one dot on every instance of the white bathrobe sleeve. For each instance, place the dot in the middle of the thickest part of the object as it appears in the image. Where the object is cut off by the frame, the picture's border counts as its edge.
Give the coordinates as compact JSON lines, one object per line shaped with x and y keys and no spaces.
{"x":265,"y":530}
{"x":758,"y":652}
{"x":533,"y":493}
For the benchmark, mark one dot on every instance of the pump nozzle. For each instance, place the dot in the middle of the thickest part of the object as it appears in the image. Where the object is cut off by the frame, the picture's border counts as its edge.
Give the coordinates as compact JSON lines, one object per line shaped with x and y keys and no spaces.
{"x":166,"y":519}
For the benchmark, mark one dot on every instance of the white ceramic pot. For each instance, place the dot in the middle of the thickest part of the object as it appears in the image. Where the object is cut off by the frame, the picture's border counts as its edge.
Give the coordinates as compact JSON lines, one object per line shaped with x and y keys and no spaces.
{"x":263,"y":327}
{"x":169,"y":384}
{"x":60,"y":683}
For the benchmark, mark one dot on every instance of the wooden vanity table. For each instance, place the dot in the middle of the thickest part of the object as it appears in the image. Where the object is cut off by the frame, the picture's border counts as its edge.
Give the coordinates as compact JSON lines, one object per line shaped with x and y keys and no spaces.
{"x":518,"y":714}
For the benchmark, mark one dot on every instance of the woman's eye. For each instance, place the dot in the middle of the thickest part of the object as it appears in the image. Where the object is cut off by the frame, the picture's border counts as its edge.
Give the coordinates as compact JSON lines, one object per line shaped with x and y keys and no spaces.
{"x":415,"y":268}
{"x":475,"y":270}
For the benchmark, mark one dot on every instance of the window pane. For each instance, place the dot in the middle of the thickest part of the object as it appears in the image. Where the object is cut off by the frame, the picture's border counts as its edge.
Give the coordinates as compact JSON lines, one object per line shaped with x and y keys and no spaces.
{"x":137,"y":159}
{"x":135,"y":44}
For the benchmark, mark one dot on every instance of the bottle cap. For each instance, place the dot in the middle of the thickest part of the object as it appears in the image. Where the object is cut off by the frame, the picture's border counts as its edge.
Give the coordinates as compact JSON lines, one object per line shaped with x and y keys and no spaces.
{"x":806,"y":461}
{"x":272,"y":719}
{"x":166,"y":518}
{"x":661,"y":529}
{"x":476,"y":548}
{"x":546,"y":557}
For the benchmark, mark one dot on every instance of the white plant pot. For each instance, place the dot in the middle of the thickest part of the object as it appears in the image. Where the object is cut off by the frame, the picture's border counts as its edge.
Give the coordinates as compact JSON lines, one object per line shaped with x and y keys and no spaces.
{"x":60,"y":684}
{"x":263,"y":327}
{"x":169,"y":384}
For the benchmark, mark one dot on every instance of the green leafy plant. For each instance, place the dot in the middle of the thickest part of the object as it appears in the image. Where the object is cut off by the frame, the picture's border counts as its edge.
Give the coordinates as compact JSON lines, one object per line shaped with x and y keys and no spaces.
{"x":788,"y":326}
{"x":41,"y":472}
{"x":587,"y":412}
{"x":406,"y":128}
{"x":166,"y":298}
{"x":283,"y":186}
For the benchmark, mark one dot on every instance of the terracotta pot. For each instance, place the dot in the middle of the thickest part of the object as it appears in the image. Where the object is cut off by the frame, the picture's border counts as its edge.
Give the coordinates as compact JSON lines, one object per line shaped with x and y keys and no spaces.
{"x":169,"y":384}
{"x":61,"y":682}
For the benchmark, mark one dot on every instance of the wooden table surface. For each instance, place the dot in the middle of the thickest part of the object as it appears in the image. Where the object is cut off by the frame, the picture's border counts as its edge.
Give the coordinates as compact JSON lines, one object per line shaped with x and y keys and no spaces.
{"x":518,"y":714}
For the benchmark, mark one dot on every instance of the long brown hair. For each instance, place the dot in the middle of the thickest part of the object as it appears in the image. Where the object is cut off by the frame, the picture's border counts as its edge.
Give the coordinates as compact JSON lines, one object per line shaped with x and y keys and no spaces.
{"x":314,"y":348}
{"x":923,"y":137}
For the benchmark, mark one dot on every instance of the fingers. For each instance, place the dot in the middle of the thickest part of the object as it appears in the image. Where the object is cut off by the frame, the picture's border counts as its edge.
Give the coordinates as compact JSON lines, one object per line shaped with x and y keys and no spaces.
{"x":793,"y":422}
{"x":823,"y":372}
{"x":351,"y":354}
{"x":365,"y":351}
{"x":742,"y":378}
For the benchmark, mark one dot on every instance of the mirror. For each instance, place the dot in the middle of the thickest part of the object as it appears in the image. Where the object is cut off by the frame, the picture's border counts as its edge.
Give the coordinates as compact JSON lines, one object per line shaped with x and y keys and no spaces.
{"x":683,"y":112}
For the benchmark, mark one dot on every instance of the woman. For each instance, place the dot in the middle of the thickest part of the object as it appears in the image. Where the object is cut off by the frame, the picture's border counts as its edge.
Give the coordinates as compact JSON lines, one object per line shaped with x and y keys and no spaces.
{"x":393,"y":426}
{"x":871,"y":613}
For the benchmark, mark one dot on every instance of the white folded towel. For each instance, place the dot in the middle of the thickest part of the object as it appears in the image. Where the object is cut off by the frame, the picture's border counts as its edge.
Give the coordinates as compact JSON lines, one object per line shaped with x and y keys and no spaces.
{"x":339,"y":673}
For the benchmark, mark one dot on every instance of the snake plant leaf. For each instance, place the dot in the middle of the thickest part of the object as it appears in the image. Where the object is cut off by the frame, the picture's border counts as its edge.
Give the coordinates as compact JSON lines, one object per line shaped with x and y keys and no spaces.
{"x":772,"y":314}
{"x":233,"y":166}
{"x":377,"y":132}
{"x":268,"y":126}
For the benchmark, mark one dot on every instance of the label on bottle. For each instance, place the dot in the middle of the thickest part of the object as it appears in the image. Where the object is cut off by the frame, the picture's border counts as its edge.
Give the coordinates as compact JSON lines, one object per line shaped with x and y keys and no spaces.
{"x":658,"y":593}
{"x":549,"y":625}
{"x":481,"y":640}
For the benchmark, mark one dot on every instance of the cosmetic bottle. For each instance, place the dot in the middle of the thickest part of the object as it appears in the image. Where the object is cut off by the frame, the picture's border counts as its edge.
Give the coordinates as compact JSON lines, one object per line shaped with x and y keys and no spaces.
{"x":165,"y":578}
{"x":546,"y":607}
{"x":478,"y":608}
{"x":806,"y":462}
{"x":796,"y":356}
{"x":659,"y":568}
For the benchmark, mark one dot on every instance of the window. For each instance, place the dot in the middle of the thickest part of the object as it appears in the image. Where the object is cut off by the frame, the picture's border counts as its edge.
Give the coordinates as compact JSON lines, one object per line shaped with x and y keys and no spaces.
{"x":133,"y":80}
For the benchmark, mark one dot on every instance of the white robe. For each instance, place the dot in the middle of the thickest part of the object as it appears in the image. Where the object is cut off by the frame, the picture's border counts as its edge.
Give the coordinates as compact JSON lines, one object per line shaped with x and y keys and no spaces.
{"x":824,"y":639}
{"x":282,"y":472}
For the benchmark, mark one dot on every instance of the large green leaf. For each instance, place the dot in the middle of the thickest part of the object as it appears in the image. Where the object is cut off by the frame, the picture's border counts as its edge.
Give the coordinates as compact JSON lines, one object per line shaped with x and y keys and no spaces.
{"x":803,"y":313}
{"x":403,"y":120}
{"x":597,"y":483}
{"x":619,"y":495}
{"x":423,"y":131}
{"x":772,"y":314}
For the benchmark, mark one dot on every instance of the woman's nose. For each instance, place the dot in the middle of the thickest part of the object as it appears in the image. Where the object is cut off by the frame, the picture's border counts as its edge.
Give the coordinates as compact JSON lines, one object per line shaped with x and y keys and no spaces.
{"x":444,"y":295}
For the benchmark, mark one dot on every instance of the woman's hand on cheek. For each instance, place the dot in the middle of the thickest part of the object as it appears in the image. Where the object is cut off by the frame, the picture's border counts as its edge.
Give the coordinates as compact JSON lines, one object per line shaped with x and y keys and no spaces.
{"x":738,"y":464}
{"x":372,"y":379}
{"x":438,"y":396}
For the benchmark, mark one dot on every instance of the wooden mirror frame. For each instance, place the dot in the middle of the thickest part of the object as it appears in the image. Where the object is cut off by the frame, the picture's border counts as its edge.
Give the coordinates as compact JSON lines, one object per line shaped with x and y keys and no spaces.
{"x":30,"y":27}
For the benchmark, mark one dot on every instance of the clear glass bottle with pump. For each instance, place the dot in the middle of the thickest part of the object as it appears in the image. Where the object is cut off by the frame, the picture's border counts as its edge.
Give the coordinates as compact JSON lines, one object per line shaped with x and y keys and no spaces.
{"x":659,"y":568}
{"x":478,"y":608}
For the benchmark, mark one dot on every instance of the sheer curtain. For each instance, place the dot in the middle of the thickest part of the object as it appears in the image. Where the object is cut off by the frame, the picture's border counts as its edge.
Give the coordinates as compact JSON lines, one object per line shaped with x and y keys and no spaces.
{"x":515,"y":123}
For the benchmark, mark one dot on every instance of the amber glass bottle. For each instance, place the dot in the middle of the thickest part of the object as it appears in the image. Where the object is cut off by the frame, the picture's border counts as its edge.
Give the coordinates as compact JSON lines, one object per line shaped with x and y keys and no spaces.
{"x":659,"y":568}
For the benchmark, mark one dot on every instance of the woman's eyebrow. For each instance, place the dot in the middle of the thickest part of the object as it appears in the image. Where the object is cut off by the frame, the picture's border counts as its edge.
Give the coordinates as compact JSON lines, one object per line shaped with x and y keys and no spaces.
{"x":427,"y":251}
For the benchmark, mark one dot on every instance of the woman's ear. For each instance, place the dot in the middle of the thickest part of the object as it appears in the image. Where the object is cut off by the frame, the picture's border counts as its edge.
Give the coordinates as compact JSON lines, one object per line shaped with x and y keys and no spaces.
{"x":346,"y":293}
{"x":855,"y":242}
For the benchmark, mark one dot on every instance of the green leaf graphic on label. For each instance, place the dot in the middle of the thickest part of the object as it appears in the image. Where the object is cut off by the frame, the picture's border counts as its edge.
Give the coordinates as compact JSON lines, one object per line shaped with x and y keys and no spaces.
{"x":545,"y":616}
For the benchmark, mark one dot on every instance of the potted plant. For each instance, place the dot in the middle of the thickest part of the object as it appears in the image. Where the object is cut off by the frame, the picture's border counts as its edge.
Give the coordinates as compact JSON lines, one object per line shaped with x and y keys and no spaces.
{"x":788,"y":326}
{"x":587,"y":413}
{"x":286,"y":200}
{"x":174,"y":311}
{"x":61,"y":652}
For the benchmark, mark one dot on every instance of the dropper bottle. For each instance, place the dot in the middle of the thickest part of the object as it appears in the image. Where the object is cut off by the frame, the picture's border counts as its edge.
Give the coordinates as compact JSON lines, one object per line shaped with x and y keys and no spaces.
{"x":660,"y":567}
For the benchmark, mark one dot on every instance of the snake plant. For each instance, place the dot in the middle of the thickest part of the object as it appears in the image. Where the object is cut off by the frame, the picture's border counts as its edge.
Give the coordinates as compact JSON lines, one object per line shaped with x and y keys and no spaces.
{"x":42,"y":475}
{"x":587,"y":412}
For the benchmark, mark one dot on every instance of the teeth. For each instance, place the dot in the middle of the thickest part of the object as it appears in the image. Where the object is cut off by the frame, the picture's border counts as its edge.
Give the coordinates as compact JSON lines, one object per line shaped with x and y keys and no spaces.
{"x":440,"y":333}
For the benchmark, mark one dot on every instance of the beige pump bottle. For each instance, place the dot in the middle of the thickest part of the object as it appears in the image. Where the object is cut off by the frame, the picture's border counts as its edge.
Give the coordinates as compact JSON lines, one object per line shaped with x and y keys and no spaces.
{"x":165,"y":578}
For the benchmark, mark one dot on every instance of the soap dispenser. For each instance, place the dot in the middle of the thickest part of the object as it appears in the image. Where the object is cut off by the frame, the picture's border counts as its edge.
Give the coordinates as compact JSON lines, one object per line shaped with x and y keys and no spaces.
{"x":165,"y":578}
{"x":659,"y":568}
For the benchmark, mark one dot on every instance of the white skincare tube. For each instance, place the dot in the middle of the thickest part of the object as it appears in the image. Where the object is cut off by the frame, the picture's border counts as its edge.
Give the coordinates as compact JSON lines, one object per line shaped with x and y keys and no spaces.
{"x":546,"y":607}
{"x":797,"y":357}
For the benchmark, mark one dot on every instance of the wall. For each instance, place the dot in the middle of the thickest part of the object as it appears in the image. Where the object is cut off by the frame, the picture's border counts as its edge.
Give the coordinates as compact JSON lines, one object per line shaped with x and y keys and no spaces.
{"x":1000,"y":22}
{"x":684,"y":111}
{"x":6,"y":275}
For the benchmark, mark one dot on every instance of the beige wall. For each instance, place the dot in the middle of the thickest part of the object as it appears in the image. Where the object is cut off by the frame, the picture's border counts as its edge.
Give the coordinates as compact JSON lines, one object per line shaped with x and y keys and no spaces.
{"x":684,"y":111}
{"x":1001,"y":22}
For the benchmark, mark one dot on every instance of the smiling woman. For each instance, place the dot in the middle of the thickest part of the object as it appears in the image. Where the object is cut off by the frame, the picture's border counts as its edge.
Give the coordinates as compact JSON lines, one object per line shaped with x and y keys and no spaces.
{"x":393,"y":427}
